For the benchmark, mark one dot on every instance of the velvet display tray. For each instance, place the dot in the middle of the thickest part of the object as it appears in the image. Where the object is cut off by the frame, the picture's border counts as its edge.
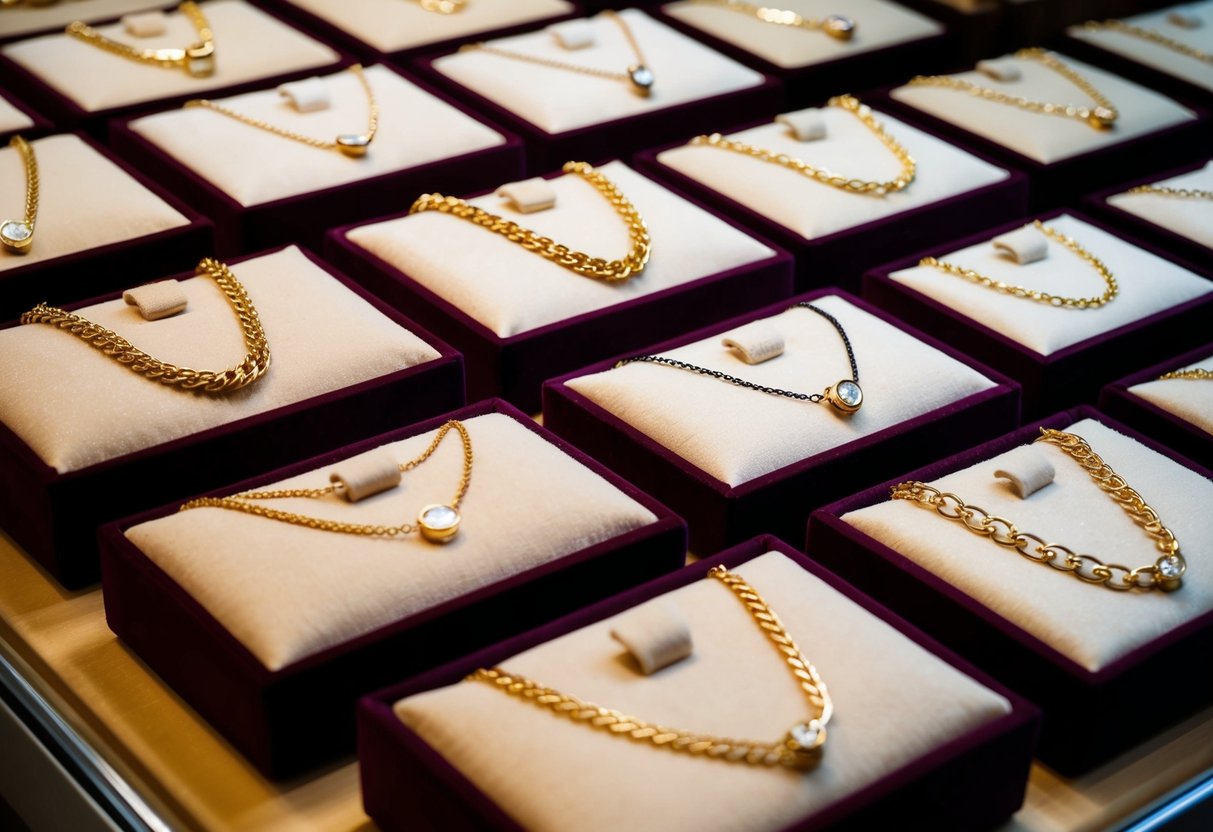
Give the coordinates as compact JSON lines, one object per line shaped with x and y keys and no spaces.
{"x":972,"y":782}
{"x":1068,"y":376}
{"x":839,"y":259}
{"x":721,"y":515}
{"x":1079,"y":705}
{"x":516,"y":366}
{"x":305,"y":217}
{"x":288,"y":720}
{"x":111,"y":267}
{"x":40,"y":125}
{"x":53,"y":516}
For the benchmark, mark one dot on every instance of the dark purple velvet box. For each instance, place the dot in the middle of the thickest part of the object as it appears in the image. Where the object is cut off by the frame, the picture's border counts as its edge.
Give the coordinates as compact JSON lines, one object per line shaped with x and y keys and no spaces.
{"x":110,"y":267}
{"x":1068,"y":376}
{"x":1171,"y":669}
{"x":1117,"y":400}
{"x":300,"y":716}
{"x":305,"y":217}
{"x":53,"y":516}
{"x":973,"y":782}
{"x":840,"y":258}
{"x":1172,"y":85}
{"x":721,"y":515}
{"x":515,"y":367}
{"x":40,"y":127}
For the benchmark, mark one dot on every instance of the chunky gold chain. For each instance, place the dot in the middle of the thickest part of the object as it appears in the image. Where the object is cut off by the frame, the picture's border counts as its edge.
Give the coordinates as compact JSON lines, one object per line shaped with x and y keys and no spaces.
{"x":610,"y":271}
{"x":1180,"y":193}
{"x":1102,"y":116}
{"x":1112,"y":290}
{"x":801,"y":748}
{"x":350,"y":144}
{"x":254,"y":365}
{"x":836,"y":26}
{"x":16,"y":236}
{"x":1166,"y":573}
{"x":197,"y":59}
{"x":1150,"y":35}
{"x":845,"y":183}
{"x":1196,"y":373}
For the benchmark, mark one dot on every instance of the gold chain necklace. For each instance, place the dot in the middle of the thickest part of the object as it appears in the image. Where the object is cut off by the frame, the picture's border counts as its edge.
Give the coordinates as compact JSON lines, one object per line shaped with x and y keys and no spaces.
{"x":437,"y":523}
{"x":844,"y":183}
{"x":254,"y":365}
{"x":801,"y":748}
{"x":1181,"y":193}
{"x":610,"y":271}
{"x":638,"y":75}
{"x":197,"y":59}
{"x":1150,"y":35}
{"x":1196,"y":373}
{"x":1166,"y":573}
{"x":1102,"y":116}
{"x":1112,"y":290}
{"x":17,"y":236}
{"x":350,"y":144}
{"x":836,"y":26}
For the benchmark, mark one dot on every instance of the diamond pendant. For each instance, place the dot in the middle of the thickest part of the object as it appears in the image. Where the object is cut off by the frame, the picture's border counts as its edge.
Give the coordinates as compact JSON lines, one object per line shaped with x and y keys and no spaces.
{"x":200,"y":60}
{"x":1101,"y":118}
{"x":438,"y":523}
{"x":846,"y":396}
{"x":1170,"y":572}
{"x":642,"y":79}
{"x":16,"y":236}
{"x":806,"y":741}
{"x":353,"y":144}
{"x":838,"y":27}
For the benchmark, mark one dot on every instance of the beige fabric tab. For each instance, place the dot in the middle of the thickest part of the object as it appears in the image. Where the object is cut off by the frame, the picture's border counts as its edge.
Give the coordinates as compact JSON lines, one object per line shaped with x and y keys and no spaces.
{"x":573,"y":34}
{"x":755,"y":342}
{"x":806,"y":125}
{"x":307,"y":95}
{"x":363,"y":476}
{"x":145,"y":25}
{"x":1000,"y":70}
{"x":656,"y":634}
{"x":1027,"y":469}
{"x":529,"y":195}
{"x":161,"y":299}
{"x":1024,"y":245}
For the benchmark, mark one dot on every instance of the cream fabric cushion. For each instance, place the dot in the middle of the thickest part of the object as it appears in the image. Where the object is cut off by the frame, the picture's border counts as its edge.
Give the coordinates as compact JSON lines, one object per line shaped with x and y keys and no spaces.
{"x":1189,"y":399}
{"x":1189,"y":218}
{"x":1156,"y":55}
{"x":20,"y":20}
{"x":1090,"y":625}
{"x":736,"y":435}
{"x":1148,"y":285}
{"x":886,"y":689}
{"x":76,"y":407}
{"x":511,"y":290}
{"x":286,"y":591}
{"x":11,"y":118}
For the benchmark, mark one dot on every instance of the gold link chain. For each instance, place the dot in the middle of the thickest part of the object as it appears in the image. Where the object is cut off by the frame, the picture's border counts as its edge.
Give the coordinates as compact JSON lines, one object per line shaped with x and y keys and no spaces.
{"x":1149,"y":35}
{"x":835,"y":25}
{"x":1196,"y":373}
{"x":17,"y":236}
{"x":1179,"y":193}
{"x":197,"y":59}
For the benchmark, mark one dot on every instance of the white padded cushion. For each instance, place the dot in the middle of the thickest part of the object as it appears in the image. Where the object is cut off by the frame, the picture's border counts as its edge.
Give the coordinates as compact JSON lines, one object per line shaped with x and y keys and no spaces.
{"x":1189,"y":399}
{"x":558,"y":100}
{"x":809,"y":208}
{"x":415,"y":128}
{"x":85,"y":201}
{"x":20,"y":20}
{"x":12,"y":119}
{"x":1148,"y":285}
{"x":308,"y":316}
{"x":878,"y":25}
{"x":511,"y":290}
{"x":735,"y":434}
{"x":563,"y":775}
{"x":1191,"y":218}
{"x":1048,"y":138}
{"x":286,"y":591}
{"x":390,"y":25}
{"x":249,"y":45}
{"x":1156,"y":55}
{"x":1088,"y":624}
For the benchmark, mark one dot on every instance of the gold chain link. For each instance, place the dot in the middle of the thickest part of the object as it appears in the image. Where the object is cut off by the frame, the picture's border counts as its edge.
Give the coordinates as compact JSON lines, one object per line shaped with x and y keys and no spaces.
{"x":791,"y":752}
{"x":254,"y":365}
{"x":835,"y":25}
{"x":610,"y":271}
{"x":1163,"y":190}
{"x":197,"y":59}
{"x":1150,"y":35}
{"x":1166,"y":573}
{"x":17,"y":236}
{"x":1196,"y":373}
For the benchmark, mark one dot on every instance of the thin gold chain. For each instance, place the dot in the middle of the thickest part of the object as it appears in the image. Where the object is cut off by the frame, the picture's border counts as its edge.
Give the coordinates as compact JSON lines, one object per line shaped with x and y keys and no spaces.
{"x":610,"y":271}
{"x":1196,"y":373}
{"x":836,"y":26}
{"x":17,"y":236}
{"x":845,"y":183}
{"x":1112,"y":290}
{"x":1163,"y":190}
{"x":1102,"y":116}
{"x":197,"y":59}
{"x":1150,"y":35}
{"x":372,"y":125}
{"x":800,"y":749}
{"x":1166,"y":573}
{"x":254,"y":364}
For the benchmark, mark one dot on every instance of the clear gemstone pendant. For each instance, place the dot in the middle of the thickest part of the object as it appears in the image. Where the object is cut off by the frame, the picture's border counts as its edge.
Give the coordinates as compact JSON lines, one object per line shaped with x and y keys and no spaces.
{"x":806,"y":741}
{"x":438,"y":523}
{"x":1102,"y":118}
{"x":353,"y":144}
{"x":642,"y":79}
{"x":1170,"y":572}
{"x":846,"y":396}
{"x":16,"y":236}
{"x":839,"y":27}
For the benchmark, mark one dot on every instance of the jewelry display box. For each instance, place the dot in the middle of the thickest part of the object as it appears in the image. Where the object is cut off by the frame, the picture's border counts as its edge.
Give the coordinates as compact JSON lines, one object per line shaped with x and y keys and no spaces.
{"x":1089,"y":656}
{"x":102,"y":225}
{"x":1060,"y":356}
{"x":810,"y":63}
{"x":835,"y":234}
{"x":35,"y":18}
{"x":519,"y":319}
{"x":78,"y":84}
{"x":544,"y":531}
{"x":963,"y":766}
{"x":736,"y":462}
{"x":278,"y":190}
{"x":84,"y":440}
{"x":17,"y":117}
{"x":563,"y":114}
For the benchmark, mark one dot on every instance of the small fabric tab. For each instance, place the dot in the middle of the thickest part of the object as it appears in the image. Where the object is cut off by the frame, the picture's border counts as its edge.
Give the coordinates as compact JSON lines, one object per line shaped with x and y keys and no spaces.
{"x":1001,"y":69}
{"x":529,"y":195}
{"x":656,"y":634}
{"x":1024,"y":245}
{"x":145,"y":24}
{"x":573,"y":34}
{"x":1186,"y":16}
{"x":307,"y":95}
{"x":806,"y":125}
{"x":1027,"y":469}
{"x":366,"y":475}
{"x":161,"y":299}
{"x":755,"y":342}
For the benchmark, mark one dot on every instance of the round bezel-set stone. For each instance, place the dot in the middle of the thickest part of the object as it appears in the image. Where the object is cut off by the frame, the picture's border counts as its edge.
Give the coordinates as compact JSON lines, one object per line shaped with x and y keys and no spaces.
{"x":846,"y":396}
{"x":438,"y":523}
{"x":353,"y":144}
{"x":1170,"y":571}
{"x":1102,"y":118}
{"x":839,"y":27}
{"x":16,"y":235}
{"x":807,"y":737}
{"x":642,"y":79}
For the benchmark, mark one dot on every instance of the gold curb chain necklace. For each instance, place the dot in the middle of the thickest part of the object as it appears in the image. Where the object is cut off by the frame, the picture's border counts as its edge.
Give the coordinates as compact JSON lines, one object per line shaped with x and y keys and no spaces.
{"x":197,"y":59}
{"x":837,"y":26}
{"x":1151,"y":35}
{"x":1179,"y":193}
{"x":17,"y":236}
{"x":1195,"y":374}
